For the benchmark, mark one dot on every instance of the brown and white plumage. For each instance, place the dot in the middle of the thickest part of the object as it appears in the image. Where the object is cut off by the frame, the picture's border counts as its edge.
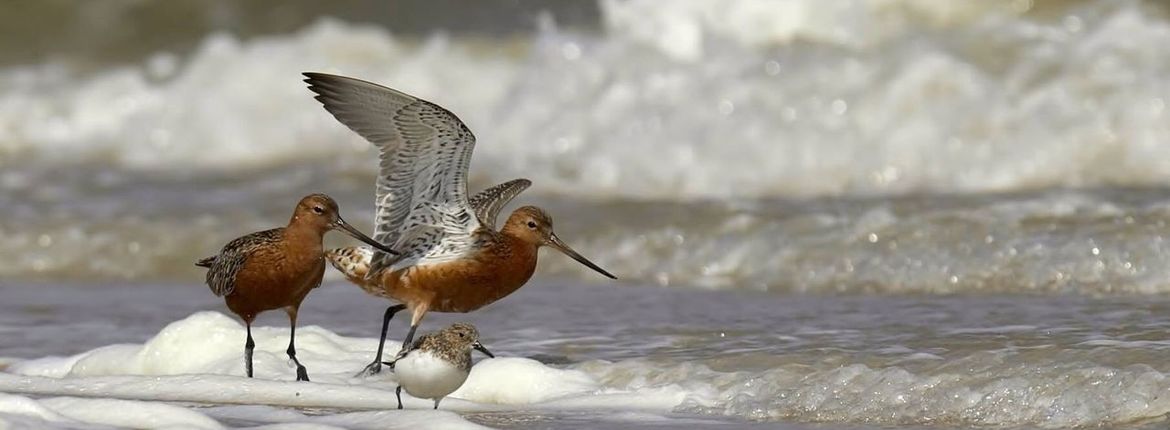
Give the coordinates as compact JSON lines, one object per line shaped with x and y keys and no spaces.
{"x":488,"y":203}
{"x":423,"y":210}
{"x":437,"y":363}
{"x":453,"y":258}
{"x":223,"y":267}
{"x":276,"y":269}
{"x":355,"y":261}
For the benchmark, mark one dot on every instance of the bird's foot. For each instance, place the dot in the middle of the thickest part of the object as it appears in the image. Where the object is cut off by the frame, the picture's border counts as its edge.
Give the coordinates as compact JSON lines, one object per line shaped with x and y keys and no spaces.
{"x":370,"y":370}
{"x":302,"y":374}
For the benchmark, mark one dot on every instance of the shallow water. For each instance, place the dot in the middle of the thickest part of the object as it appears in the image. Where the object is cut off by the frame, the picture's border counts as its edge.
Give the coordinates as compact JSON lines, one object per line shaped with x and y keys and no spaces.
{"x":828,"y":215}
{"x":734,"y":358}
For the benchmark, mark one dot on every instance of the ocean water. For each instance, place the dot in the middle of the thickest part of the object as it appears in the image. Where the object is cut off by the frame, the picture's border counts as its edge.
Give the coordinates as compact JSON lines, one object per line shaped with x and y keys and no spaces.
{"x":831,"y":215}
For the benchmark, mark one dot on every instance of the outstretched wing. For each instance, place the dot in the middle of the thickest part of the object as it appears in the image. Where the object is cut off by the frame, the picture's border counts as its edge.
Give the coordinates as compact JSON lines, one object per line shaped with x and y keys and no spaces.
{"x":487,"y":203}
{"x":422,"y":206}
{"x":354,"y":261}
{"x":223,"y":268}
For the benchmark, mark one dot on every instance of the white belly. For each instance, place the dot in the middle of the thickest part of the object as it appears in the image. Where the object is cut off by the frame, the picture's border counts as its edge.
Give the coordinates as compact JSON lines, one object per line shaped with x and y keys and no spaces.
{"x":425,"y":376}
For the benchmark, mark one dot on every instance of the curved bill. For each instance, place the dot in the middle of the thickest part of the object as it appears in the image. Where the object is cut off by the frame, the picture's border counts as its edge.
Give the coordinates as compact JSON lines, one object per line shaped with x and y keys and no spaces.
{"x":344,"y":226}
{"x":479,"y":347}
{"x":555,"y":242}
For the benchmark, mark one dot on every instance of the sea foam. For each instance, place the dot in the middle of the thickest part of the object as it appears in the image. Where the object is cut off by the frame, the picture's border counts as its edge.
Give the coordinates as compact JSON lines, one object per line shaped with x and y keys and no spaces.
{"x":145,"y":385}
{"x":199,"y":360}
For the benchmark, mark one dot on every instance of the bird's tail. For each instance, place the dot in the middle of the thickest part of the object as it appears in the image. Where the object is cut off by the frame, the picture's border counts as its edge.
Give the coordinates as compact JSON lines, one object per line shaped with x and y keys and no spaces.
{"x":206,"y":262}
{"x":351,"y":261}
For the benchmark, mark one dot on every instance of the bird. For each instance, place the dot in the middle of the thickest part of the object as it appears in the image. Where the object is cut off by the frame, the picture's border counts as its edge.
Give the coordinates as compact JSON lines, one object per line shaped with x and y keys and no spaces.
{"x":354,"y":261}
{"x":437,"y":363}
{"x":276,"y":269}
{"x":453,"y":259}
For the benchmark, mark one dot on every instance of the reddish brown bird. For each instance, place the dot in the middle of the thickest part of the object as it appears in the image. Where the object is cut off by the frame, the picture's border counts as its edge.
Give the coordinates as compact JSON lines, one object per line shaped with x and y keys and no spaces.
{"x":276,"y":269}
{"x":453,"y":258}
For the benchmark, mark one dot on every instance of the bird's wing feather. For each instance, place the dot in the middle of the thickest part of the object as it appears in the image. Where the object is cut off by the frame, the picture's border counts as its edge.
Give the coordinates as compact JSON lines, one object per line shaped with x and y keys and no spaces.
{"x":354,"y":261}
{"x":221,"y":275}
{"x":422,"y":205}
{"x":487,"y":203}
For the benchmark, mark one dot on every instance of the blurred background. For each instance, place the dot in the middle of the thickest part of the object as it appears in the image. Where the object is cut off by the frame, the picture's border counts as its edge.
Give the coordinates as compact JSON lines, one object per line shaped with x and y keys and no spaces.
{"x":847,"y":212}
{"x":859,"y":146}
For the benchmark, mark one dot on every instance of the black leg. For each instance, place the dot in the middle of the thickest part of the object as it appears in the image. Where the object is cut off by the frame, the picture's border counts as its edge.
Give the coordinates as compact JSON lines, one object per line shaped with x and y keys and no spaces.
{"x":406,"y":344}
{"x":409,"y":341}
{"x":398,"y":393}
{"x":248,"y":345}
{"x":437,"y":403}
{"x":376,"y":366}
{"x":302,"y":374}
{"x":409,"y":337}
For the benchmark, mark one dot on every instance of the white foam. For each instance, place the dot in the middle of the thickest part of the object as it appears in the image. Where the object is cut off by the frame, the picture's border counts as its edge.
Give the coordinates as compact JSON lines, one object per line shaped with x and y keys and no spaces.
{"x":528,"y":381}
{"x":982,"y":389}
{"x":684,"y":29}
{"x":74,"y":412}
{"x":135,"y":384}
{"x":294,"y":420}
{"x":230,"y":105}
{"x":24,"y":406}
{"x":199,"y":360}
{"x":220,"y":341}
{"x":124,"y":413}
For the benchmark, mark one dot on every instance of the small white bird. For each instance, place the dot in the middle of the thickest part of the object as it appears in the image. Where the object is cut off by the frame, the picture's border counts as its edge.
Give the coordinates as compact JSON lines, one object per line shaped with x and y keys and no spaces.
{"x":437,"y":363}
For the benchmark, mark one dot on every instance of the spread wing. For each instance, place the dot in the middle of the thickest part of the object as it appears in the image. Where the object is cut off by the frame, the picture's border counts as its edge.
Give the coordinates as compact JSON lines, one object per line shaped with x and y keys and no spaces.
{"x":422,"y":205}
{"x":222,"y":269}
{"x":354,"y":261}
{"x":487,"y":203}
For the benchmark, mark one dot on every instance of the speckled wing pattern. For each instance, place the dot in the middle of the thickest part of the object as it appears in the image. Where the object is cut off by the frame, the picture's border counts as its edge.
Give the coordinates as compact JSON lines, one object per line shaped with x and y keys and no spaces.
{"x":354,"y":261}
{"x":422,"y":205}
{"x":221,"y":275}
{"x":408,"y":349}
{"x":487,"y":203}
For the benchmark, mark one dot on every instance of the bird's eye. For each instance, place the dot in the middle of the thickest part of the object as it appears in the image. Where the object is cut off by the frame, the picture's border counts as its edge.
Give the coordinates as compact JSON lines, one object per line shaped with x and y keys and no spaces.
{"x":531,"y":224}
{"x":462,"y":335}
{"x":318,"y":210}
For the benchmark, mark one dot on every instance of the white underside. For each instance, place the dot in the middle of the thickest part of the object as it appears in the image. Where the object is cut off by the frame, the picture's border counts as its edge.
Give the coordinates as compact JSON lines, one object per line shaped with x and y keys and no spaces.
{"x":426,"y":376}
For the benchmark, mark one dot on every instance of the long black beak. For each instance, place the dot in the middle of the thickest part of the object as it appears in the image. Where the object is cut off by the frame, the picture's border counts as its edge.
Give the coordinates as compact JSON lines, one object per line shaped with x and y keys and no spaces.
{"x":344,"y":226}
{"x":555,"y":242}
{"x":479,"y":347}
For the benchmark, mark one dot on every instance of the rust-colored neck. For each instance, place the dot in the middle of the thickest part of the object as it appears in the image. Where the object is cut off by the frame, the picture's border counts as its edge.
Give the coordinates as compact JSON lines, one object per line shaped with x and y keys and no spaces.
{"x":303,"y":235}
{"x":518,"y":253}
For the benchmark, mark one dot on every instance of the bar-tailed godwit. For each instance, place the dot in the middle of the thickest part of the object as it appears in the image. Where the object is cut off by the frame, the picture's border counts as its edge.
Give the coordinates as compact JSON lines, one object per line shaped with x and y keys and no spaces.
{"x":452,"y":257}
{"x":437,"y":363}
{"x":277,"y":268}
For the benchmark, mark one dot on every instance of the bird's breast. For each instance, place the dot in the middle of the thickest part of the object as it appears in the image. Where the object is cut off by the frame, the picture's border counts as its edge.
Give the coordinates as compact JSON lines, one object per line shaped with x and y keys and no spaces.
{"x":427,"y":376}
{"x":276,"y":277}
{"x":462,"y":285}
